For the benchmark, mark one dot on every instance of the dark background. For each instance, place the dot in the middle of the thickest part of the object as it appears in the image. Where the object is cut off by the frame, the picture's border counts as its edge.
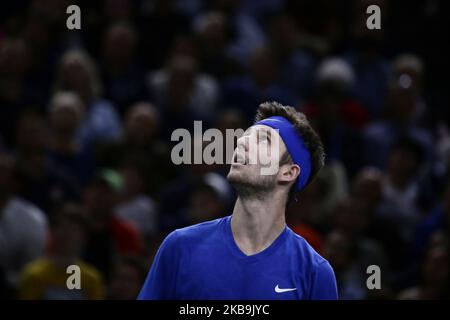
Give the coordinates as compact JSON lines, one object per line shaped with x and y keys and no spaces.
{"x":86,"y":118}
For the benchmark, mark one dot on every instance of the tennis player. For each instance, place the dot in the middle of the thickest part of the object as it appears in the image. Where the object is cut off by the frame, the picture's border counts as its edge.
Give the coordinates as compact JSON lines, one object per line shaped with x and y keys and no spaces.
{"x":251,"y":254}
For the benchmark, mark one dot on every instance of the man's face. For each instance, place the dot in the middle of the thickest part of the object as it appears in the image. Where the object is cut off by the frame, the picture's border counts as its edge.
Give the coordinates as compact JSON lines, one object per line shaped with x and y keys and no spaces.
{"x":256,"y":158}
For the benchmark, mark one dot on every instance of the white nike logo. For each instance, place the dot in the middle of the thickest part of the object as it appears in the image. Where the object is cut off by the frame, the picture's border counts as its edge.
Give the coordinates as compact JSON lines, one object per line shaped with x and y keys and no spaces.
{"x":279,"y":290}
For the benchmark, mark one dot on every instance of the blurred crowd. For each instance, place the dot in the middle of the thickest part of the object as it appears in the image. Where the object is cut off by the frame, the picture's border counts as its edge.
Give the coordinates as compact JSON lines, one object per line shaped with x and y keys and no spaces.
{"x":86,"y":118}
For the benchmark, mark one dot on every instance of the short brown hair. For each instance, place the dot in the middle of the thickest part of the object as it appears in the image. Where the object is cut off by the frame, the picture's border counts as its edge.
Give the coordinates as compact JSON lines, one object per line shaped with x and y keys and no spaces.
{"x":304,"y":129}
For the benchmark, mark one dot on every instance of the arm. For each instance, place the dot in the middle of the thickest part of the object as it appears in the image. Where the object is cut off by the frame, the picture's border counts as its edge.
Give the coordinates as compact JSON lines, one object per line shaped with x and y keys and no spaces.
{"x":160,"y":283}
{"x":324,"y":283}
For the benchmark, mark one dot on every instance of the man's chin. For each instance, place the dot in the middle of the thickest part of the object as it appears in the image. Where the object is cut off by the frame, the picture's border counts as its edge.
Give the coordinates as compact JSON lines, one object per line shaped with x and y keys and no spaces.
{"x":245,"y":186}
{"x":239,"y":181}
{"x":235,"y":177}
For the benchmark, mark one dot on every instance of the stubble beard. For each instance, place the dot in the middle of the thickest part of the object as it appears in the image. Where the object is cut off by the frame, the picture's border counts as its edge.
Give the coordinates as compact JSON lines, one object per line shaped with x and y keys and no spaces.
{"x":251,"y":186}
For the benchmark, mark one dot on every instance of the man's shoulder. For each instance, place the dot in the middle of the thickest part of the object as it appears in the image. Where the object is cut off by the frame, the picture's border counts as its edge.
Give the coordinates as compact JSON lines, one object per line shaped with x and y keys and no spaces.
{"x":196,"y":232}
{"x":318,"y":271}
{"x":306,"y":251}
{"x":200,"y":229}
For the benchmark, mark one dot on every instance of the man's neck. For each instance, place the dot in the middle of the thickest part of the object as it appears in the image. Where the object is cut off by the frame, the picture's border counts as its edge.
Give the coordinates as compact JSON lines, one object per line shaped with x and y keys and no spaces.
{"x":257,"y":222}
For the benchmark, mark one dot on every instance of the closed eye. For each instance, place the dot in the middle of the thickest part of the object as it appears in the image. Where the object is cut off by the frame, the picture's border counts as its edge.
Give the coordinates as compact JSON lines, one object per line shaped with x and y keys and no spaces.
{"x":264,"y":136}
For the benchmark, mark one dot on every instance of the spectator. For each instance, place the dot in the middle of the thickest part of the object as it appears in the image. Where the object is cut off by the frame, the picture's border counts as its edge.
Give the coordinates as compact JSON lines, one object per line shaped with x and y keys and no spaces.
{"x":46,"y":278}
{"x":259,"y":85}
{"x":183,"y":93}
{"x":438,"y":220}
{"x":161,"y":23}
{"x":128,"y":275}
{"x":141,"y":145}
{"x":401,"y":187}
{"x":366,"y":59}
{"x":77,"y":72}
{"x":342,"y":253}
{"x":247,"y":34}
{"x":65,"y":113}
{"x":297,"y":66}
{"x":208,"y":201}
{"x":367,"y":186}
{"x":334,"y":78}
{"x":405,"y":115}
{"x":338,"y":118}
{"x":434,"y":282}
{"x":39,"y":181}
{"x":214,"y":35}
{"x":351,"y":217}
{"x":23,"y":227}
{"x":316,"y":207}
{"x":230,"y":119}
{"x":13,"y":99}
{"x":122,"y":73}
{"x":108,"y":236}
{"x":175,"y":215}
{"x":301,"y":215}
{"x":407,"y":73}
{"x":134,"y":205}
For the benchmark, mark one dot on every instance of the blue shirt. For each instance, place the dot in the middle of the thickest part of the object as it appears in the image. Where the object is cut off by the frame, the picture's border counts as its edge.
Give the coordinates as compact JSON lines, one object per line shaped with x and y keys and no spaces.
{"x":203,"y":262}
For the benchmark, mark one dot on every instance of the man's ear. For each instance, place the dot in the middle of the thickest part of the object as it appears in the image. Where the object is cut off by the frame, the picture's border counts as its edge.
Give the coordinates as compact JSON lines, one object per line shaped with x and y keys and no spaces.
{"x":289,"y":172}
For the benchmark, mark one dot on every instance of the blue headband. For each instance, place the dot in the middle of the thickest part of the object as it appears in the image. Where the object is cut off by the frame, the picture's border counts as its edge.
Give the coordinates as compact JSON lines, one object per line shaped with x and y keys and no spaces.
{"x":294,"y":144}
